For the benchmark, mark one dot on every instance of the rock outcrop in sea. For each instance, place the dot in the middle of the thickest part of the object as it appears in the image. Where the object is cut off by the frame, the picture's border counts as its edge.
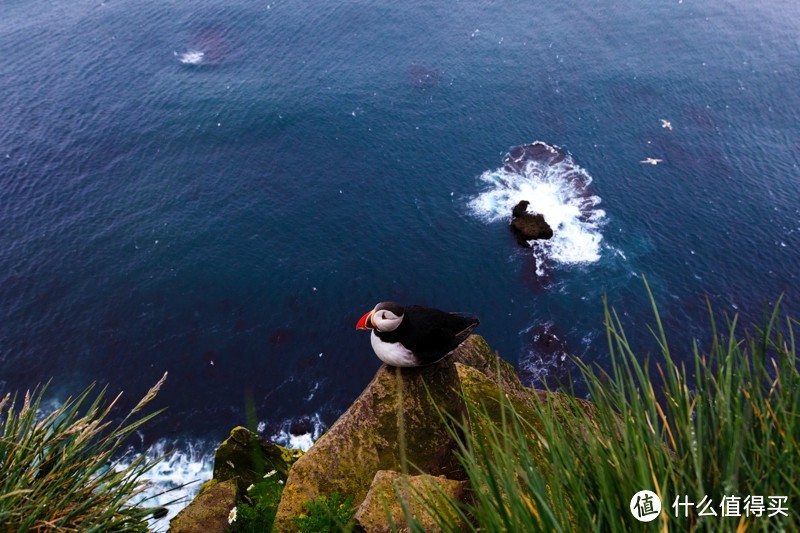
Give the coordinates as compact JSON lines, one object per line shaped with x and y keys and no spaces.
{"x":528,"y":226}
{"x":392,"y":438}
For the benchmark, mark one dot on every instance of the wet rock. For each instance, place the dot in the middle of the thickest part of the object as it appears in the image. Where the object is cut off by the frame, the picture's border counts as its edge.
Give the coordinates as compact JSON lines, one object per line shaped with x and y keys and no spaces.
{"x":520,"y":209}
{"x":528,"y":227}
{"x":547,"y":360}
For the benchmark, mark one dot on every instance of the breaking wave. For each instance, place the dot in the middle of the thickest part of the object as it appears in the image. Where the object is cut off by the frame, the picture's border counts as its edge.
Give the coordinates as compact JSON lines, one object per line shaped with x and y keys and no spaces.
{"x":548,"y":178}
{"x":299,"y":434}
{"x":176,"y":478}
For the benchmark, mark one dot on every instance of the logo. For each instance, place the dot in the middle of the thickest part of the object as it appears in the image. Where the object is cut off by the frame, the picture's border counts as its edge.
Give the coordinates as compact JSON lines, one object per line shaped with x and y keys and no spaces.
{"x":645,"y":506}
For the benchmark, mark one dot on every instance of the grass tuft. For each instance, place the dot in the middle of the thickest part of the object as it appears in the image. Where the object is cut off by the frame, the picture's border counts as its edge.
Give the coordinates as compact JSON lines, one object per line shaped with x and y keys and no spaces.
{"x":724,"y":424}
{"x":332,"y":513}
{"x":57,"y":470}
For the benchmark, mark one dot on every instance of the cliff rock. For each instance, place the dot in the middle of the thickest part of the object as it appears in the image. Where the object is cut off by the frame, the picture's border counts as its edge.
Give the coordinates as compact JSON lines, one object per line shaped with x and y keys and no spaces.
{"x":392,"y":440}
{"x":382,"y":498}
{"x":399,"y":408}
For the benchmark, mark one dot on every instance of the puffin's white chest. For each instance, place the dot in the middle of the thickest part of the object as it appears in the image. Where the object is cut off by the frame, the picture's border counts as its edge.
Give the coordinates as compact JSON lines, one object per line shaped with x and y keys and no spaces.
{"x":392,"y":353}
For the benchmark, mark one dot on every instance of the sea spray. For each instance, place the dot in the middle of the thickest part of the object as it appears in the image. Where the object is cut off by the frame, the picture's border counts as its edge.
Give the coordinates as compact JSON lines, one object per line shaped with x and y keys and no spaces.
{"x":299,"y":434}
{"x":548,"y":178}
{"x":176,"y":478}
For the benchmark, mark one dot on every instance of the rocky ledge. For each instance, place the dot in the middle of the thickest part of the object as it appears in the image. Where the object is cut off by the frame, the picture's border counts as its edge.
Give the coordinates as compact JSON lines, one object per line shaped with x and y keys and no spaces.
{"x":397,"y":418}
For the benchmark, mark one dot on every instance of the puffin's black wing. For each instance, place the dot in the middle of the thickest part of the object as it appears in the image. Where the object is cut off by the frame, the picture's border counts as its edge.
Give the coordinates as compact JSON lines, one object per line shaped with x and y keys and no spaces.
{"x":431,"y":334}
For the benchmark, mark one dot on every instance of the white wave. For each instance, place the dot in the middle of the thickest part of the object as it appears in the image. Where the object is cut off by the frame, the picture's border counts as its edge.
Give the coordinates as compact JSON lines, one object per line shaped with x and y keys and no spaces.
{"x":555,"y":187}
{"x":191,"y":57}
{"x":182,"y":470}
{"x":299,"y":441}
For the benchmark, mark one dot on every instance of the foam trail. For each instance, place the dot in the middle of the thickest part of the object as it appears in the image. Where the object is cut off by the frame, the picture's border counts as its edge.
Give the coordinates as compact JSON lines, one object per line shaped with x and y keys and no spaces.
{"x":556,"y":187}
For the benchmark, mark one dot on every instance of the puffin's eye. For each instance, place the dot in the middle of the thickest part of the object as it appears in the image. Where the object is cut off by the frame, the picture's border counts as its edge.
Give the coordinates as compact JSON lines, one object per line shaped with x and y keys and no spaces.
{"x":383,"y":315}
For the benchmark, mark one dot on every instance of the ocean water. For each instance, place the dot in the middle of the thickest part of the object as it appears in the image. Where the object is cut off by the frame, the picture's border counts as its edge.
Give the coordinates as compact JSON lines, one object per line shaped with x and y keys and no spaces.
{"x":221,"y":189}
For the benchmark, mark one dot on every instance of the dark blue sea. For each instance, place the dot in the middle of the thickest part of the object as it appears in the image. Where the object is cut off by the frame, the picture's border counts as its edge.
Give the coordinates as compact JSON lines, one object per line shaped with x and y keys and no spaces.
{"x":219,"y":190}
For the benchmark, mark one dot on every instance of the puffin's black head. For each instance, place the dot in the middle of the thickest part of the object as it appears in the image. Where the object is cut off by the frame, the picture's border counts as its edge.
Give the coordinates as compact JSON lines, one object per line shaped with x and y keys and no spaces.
{"x":386,"y":316}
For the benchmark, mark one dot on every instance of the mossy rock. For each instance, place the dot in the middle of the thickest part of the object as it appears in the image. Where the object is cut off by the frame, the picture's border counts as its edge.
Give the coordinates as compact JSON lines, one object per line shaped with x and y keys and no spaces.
{"x":247,"y":457}
{"x":382,"y":501}
{"x":403,"y":409}
{"x":208,"y":511}
{"x":488,"y":398}
{"x":367,"y":437}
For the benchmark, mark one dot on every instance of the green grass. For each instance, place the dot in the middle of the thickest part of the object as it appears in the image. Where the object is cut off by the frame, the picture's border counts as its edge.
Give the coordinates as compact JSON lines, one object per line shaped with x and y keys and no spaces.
{"x":257,"y":513}
{"x":327,"y":514}
{"x":57,"y":470}
{"x":725,"y":424}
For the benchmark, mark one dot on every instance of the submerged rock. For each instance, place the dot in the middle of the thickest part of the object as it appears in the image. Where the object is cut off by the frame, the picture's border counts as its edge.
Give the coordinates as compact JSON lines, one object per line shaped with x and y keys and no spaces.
{"x":547,"y":360}
{"x":528,"y":227}
{"x":517,"y":159}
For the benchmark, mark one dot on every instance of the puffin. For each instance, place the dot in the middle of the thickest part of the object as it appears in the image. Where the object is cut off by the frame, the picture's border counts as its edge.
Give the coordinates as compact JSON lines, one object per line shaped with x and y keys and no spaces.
{"x":413,"y":335}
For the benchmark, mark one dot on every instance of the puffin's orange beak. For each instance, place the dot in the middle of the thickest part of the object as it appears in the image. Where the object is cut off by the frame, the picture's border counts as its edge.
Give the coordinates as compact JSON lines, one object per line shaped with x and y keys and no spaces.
{"x":366,"y":321}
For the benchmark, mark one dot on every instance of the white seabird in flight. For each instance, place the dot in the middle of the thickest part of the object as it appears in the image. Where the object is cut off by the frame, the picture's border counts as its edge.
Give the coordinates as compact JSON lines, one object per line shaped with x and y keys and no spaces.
{"x":666,"y":124}
{"x":651,"y":161}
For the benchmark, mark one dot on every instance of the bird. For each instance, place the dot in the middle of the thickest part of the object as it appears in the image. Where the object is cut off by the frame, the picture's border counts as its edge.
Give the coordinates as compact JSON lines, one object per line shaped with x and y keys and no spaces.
{"x":413,"y":335}
{"x":651,"y":161}
{"x":666,"y":124}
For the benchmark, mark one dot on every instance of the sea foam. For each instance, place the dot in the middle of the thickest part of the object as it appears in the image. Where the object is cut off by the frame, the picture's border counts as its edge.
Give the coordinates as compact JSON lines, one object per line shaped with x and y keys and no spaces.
{"x":299,"y":434}
{"x":548,"y":178}
{"x":191,"y":57}
{"x":183,"y":467}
